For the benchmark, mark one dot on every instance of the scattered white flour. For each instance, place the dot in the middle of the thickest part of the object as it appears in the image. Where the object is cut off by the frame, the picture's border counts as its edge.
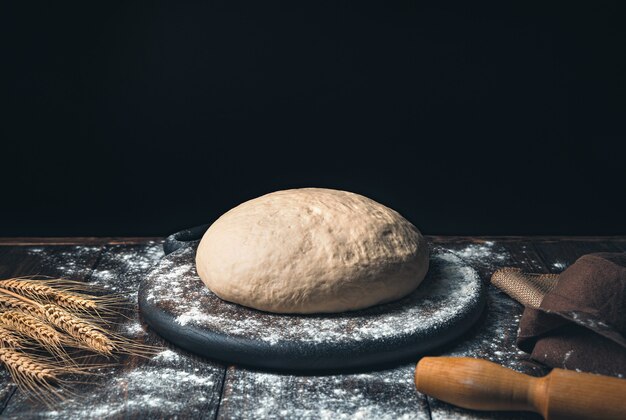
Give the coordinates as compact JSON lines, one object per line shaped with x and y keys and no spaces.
{"x":186,"y":386}
{"x":559,"y":265}
{"x":70,"y":262}
{"x":450,"y":288}
{"x":487,"y":254}
{"x":134,"y":328}
{"x":388,"y":394}
{"x":167,"y":354}
{"x":120,"y":268}
{"x":172,"y":381}
{"x":566,"y":358}
{"x":139,"y":392}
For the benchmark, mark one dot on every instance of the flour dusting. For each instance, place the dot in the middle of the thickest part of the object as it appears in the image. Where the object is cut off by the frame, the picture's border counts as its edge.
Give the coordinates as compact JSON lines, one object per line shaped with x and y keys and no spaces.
{"x":388,"y":394}
{"x":172,"y":381}
{"x":186,"y":386}
{"x":488,"y":255}
{"x":141,"y":391}
{"x":70,"y":261}
{"x":450,"y":288}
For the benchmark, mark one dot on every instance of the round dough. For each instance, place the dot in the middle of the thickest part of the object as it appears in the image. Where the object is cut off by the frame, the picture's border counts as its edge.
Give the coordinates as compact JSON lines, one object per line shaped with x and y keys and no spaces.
{"x":311,"y":250}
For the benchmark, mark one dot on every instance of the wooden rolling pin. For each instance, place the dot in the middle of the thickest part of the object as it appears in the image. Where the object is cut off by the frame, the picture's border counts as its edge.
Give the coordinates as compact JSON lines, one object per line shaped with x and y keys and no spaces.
{"x":481,"y":385}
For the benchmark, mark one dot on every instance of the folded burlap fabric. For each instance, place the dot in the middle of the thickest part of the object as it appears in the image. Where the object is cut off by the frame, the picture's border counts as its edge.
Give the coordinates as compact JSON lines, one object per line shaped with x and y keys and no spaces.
{"x":574,"y":320}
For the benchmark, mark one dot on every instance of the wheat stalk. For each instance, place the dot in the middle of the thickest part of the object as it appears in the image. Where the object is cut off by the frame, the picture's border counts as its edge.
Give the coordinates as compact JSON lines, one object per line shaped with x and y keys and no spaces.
{"x":37,"y":375}
{"x":46,"y":312}
{"x":32,"y":374}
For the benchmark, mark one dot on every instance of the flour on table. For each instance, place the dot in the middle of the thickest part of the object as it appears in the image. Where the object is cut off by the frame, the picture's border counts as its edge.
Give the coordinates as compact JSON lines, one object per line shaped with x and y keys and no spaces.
{"x":143,"y":390}
{"x":489,"y":255}
{"x":172,"y":381}
{"x":374,"y":395}
{"x":68,"y":261}
{"x":119,"y":268}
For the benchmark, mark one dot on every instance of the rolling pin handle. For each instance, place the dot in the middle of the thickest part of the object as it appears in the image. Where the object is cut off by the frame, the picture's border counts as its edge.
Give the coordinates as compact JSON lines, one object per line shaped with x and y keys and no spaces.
{"x":473,"y":383}
{"x":481,"y":385}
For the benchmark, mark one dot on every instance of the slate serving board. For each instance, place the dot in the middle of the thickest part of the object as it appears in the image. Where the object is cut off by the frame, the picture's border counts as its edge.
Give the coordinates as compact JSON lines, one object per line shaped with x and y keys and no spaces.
{"x":178,"y":306}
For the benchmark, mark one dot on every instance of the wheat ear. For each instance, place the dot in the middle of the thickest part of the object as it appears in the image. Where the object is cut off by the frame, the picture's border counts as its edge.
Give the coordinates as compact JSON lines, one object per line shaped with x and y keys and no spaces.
{"x":32,"y":289}
{"x":40,"y":376}
{"x":26,"y":365}
{"x":33,"y":328}
{"x":65,"y":293}
{"x":46,"y":312}
{"x":85,"y":333}
{"x":10,"y":303}
{"x":34,"y":375}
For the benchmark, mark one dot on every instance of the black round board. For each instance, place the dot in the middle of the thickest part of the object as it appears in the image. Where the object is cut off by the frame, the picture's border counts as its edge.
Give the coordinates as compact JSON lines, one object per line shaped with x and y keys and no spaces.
{"x":178,"y":306}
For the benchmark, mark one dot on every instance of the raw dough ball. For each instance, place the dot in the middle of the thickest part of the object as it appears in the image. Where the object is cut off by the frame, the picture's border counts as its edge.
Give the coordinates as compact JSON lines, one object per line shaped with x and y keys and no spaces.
{"x":311,"y":250}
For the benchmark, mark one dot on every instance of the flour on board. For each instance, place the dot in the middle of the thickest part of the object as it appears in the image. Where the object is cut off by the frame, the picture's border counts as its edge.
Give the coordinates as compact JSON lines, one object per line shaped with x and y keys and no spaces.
{"x":450,"y":286}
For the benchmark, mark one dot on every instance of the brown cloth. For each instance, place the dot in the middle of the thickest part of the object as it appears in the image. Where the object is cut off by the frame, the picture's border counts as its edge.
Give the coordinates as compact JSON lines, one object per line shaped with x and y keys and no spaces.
{"x":575,"y":320}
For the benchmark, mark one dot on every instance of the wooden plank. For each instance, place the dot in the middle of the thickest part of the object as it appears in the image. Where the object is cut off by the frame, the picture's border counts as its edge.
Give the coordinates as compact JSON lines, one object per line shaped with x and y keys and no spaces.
{"x":63,"y":261}
{"x":31,"y":241}
{"x":619,"y":244}
{"x":557,"y":256}
{"x":387,"y":394}
{"x":435,"y":239}
{"x":177,"y":383}
{"x":172,"y":383}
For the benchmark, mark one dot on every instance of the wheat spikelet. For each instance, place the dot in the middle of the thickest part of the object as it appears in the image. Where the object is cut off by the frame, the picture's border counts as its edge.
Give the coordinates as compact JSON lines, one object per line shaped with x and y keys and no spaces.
{"x":65,"y":293}
{"x":38,"y":376}
{"x":34,"y":328}
{"x":85,"y":333}
{"x":74,"y":301}
{"x":25,"y":366}
{"x":7,"y":338}
{"x":52,"y":315}
{"x":14,"y":304}
{"x":30,"y":288}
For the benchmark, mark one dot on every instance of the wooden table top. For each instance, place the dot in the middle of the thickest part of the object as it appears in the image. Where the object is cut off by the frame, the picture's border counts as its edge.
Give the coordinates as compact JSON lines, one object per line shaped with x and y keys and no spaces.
{"x":175,"y":383}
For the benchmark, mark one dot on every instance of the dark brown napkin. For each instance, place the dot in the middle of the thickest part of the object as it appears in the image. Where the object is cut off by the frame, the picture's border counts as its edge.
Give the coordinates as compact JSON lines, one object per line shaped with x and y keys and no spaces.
{"x":576,"y":320}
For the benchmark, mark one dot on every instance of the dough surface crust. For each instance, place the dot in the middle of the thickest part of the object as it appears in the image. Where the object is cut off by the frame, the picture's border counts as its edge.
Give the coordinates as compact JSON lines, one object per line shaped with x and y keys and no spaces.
{"x":311,"y":250}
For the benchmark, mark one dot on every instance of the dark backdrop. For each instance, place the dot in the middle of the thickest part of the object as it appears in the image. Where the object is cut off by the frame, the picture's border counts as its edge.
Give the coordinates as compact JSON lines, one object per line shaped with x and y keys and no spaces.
{"x":129,"y":119}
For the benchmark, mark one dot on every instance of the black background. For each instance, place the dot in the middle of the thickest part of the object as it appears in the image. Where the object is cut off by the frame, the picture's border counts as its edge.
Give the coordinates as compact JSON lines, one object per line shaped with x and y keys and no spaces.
{"x":140,"y":119}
